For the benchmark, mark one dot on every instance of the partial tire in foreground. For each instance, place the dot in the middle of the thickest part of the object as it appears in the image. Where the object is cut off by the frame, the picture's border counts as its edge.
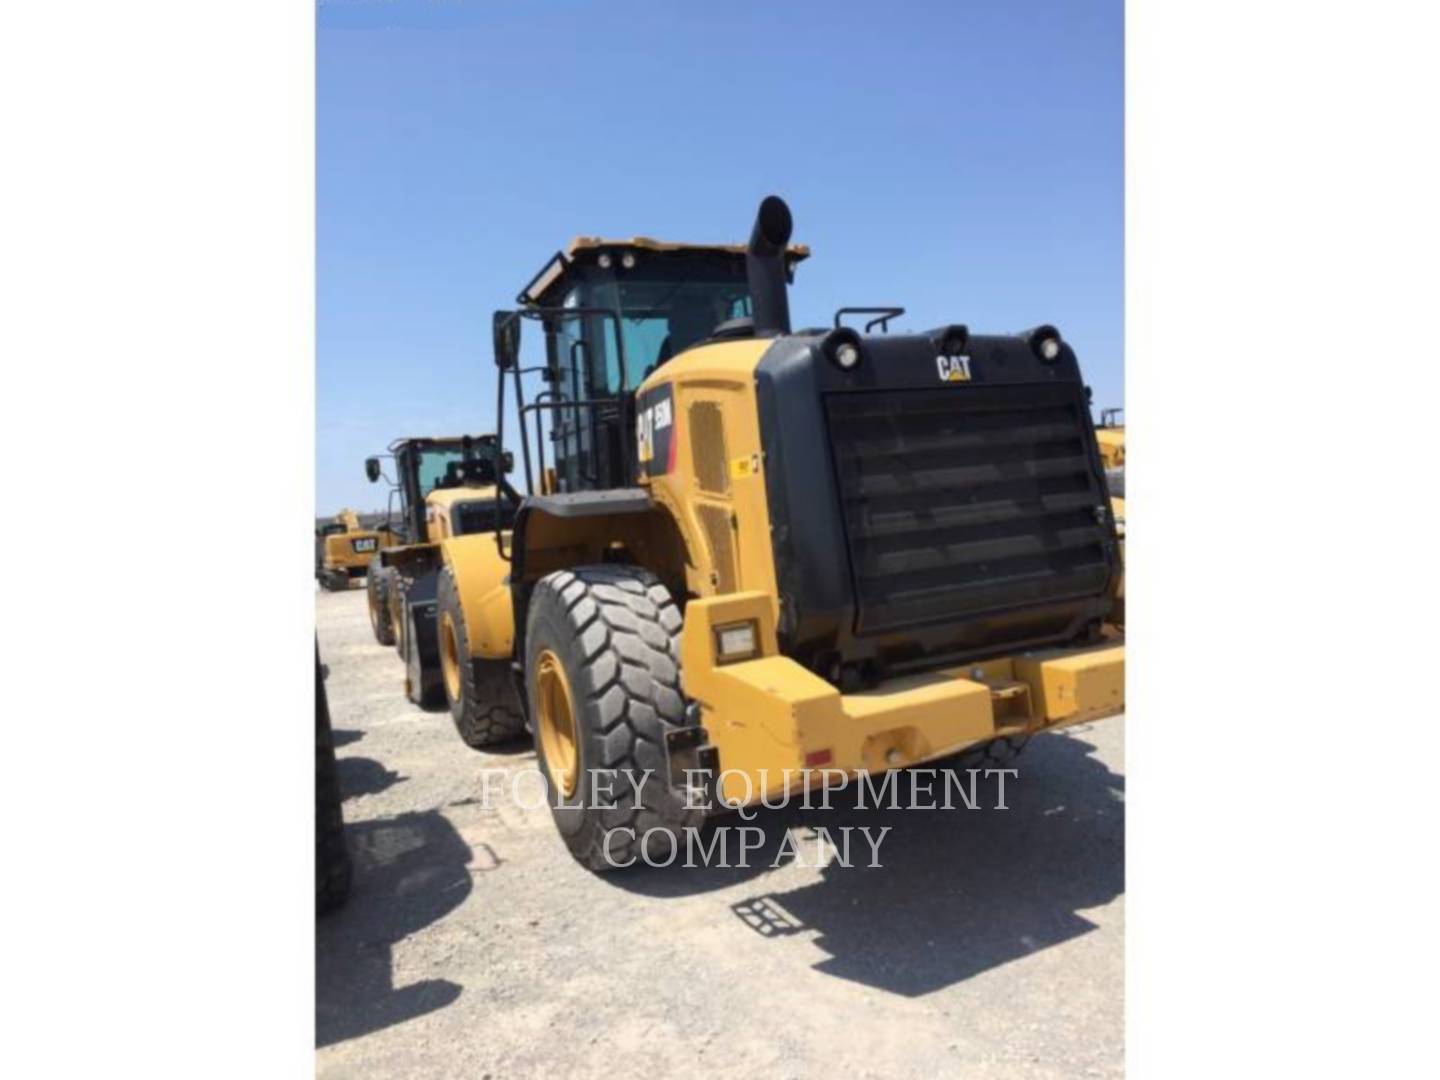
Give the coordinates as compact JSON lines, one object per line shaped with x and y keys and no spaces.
{"x":332,"y":858}
{"x":481,"y":694}
{"x":602,"y":671}
{"x":378,"y":582}
{"x":395,"y":604}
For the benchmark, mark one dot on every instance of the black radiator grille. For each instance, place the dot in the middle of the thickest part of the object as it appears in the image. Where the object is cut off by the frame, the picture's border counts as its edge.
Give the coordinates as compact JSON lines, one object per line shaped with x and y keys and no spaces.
{"x":959,"y":501}
{"x":478,"y":517}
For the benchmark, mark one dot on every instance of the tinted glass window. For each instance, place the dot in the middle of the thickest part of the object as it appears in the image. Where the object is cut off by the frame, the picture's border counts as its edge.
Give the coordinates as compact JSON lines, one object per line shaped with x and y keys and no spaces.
{"x":663,"y":313}
{"x":432,"y":466}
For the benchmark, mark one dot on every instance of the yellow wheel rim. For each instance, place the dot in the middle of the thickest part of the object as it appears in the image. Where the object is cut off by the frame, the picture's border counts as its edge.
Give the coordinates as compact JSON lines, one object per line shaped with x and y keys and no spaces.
{"x":449,"y":657}
{"x":374,"y":609}
{"x":556,"y":720}
{"x":395,"y":624}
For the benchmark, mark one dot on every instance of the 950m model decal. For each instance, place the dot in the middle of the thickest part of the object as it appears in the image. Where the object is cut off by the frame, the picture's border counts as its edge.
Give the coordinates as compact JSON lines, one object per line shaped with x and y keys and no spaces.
{"x":953,"y":368}
{"x":655,"y":430}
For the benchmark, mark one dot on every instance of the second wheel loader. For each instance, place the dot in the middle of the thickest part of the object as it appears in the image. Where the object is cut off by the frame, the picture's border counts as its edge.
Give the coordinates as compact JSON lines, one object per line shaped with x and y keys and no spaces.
{"x":447,"y":493}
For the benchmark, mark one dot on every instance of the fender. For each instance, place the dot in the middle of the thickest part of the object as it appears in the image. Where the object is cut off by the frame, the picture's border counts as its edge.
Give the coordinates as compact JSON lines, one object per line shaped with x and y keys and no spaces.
{"x":412,"y":560}
{"x":482,"y":579}
{"x":576,"y":520}
{"x":557,"y":532}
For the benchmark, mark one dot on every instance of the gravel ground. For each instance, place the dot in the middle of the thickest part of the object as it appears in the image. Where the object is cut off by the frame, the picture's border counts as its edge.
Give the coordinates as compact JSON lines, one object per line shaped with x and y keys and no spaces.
{"x":989,"y":943}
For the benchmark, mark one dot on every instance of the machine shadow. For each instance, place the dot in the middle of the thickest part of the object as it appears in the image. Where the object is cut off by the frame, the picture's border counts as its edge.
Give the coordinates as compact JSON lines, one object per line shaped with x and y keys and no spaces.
{"x":345,"y":737}
{"x":959,"y":892}
{"x":409,"y":871}
{"x":363,"y":776}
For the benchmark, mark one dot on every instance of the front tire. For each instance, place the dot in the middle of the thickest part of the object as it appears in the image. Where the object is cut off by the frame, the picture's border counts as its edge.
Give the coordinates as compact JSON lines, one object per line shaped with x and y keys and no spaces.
{"x":481,"y":694}
{"x":602,"y":671}
{"x":395,"y":605}
{"x":378,"y":582}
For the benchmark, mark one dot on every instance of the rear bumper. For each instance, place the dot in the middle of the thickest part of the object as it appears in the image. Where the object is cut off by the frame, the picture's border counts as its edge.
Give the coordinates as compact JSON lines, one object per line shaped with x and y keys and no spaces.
{"x":769,"y":714}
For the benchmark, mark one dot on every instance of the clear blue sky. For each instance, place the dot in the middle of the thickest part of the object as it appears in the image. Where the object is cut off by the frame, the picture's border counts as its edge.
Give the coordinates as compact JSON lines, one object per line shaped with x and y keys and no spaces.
{"x":963,"y":160}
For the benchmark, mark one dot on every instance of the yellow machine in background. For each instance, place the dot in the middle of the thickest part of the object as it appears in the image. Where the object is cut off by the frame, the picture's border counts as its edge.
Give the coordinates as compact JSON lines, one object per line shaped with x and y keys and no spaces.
{"x":1110,"y":435}
{"x":343,"y":550}
{"x":450,"y":495}
{"x":758,"y":550}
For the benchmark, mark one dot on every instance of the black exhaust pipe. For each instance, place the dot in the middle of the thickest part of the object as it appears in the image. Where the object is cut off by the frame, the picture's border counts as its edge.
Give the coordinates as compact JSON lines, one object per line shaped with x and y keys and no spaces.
{"x":765,"y":267}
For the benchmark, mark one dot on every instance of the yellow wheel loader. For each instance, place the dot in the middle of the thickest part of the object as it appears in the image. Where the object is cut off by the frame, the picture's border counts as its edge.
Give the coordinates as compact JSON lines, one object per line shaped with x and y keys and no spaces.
{"x":448,"y":493}
{"x":758,"y":556}
{"x":343,"y":550}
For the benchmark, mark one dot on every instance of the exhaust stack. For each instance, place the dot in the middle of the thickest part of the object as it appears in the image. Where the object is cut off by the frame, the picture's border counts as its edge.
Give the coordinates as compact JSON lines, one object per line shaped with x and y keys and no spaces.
{"x":765,"y":267}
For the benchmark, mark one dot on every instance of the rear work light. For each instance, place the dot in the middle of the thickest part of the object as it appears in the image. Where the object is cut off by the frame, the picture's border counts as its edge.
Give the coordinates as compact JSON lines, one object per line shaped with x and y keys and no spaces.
{"x":736,"y":641}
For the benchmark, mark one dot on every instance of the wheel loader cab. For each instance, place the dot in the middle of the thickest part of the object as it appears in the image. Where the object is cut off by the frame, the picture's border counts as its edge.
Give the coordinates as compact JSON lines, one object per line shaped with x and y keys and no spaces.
{"x":613,"y":312}
{"x":467,"y":468}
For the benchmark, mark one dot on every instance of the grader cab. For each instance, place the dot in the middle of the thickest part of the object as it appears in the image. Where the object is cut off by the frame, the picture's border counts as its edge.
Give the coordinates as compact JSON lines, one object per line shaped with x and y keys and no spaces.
{"x":749,"y":553}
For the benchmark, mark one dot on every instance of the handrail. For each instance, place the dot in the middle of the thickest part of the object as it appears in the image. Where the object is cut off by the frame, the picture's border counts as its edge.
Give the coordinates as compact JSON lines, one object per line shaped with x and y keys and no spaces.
{"x":548,"y":317}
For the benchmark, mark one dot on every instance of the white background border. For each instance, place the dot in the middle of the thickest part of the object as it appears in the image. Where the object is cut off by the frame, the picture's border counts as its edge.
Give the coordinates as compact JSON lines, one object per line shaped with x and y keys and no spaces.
{"x":157,"y":249}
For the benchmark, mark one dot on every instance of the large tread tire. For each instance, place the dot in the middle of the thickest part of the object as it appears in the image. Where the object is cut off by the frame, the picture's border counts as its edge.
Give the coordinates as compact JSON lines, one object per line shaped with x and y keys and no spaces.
{"x":615,"y":630}
{"x":487,"y":710}
{"x":332,"y":857}
{"x":378,"y":583}
{"x":396,"y":606}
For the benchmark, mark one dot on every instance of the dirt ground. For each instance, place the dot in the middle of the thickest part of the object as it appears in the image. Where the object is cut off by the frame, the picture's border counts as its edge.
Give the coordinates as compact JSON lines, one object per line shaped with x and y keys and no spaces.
{"x":989,"y":943}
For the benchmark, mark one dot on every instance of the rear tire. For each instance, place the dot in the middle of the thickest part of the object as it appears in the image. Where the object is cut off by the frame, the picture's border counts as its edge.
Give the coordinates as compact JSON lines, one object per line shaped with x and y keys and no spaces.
{"x":481,"y":694}
{"x":378,"y":584}
{"x":606,"y":640}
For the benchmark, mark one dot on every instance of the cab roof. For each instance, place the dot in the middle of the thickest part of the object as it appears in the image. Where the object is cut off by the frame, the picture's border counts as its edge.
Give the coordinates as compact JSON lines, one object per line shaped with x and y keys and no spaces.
{"x":438,"y":439}
{"x":447,"y":497}
{"x":554,"y":270}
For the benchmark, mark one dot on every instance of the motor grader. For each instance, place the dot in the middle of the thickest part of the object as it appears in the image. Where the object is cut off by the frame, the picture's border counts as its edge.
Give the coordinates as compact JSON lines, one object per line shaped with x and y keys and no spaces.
{"x":344,"y":549}
{"x":446,"y":489}
{"x":755,"y":557}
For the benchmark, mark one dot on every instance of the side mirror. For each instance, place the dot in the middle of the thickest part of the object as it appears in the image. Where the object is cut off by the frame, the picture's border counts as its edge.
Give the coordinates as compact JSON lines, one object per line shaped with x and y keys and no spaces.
{"x":506,"y":327}
{"x":372,"y":469}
